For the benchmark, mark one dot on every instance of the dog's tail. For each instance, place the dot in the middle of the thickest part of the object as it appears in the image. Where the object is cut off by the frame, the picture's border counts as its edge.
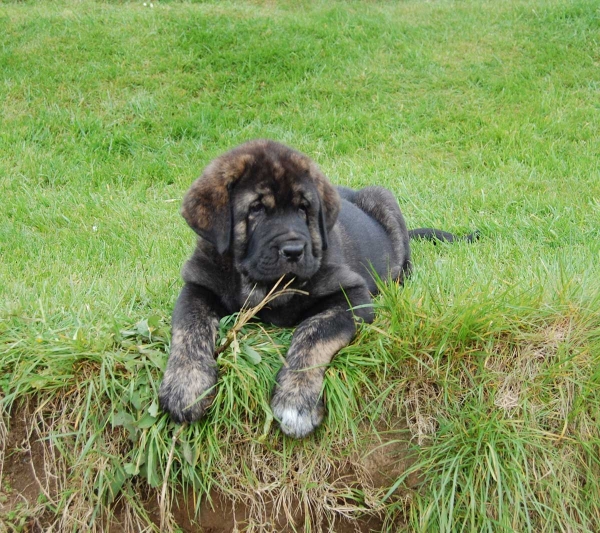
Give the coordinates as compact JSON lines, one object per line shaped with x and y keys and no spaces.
{"x":434,"y":235}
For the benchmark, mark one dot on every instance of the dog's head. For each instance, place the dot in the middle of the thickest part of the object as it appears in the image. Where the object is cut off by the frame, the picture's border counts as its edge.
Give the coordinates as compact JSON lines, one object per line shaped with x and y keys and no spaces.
{"x":268,"y":206}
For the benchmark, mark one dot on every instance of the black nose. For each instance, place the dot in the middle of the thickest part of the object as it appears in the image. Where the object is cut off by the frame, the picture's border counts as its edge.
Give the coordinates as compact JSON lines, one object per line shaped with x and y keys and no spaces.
{"x":292,"y":251}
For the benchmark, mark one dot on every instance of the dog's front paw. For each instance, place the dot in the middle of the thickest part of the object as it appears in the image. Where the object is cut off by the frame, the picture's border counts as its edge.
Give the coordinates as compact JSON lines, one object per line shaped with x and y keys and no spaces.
{"x":299,"y":414}
{"x":187,"y":391}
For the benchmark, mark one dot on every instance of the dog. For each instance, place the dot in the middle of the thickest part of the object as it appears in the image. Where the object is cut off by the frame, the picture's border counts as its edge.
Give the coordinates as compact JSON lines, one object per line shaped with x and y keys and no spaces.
{"x":265,"y":212}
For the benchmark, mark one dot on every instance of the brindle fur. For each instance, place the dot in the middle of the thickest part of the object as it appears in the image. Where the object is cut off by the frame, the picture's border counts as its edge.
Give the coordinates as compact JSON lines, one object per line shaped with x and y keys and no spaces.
{"x":263,"y":210}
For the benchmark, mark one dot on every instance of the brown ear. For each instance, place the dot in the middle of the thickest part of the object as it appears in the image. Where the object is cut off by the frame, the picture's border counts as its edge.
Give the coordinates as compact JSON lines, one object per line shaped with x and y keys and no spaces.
{"x":207,"y":205}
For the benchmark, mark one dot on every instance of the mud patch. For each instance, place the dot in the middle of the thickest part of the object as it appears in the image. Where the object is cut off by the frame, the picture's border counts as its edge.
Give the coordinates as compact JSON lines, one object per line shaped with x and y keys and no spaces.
{"x":22,"y":473}
{"x":30,"y":479}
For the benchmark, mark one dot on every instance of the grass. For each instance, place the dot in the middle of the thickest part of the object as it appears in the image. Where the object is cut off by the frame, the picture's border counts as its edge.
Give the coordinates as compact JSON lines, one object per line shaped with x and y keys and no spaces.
{"x":478,"y":386}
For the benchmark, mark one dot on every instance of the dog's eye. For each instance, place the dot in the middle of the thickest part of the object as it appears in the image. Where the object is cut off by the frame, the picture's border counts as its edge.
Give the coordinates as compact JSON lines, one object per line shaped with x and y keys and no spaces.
{"x":256,"y":207}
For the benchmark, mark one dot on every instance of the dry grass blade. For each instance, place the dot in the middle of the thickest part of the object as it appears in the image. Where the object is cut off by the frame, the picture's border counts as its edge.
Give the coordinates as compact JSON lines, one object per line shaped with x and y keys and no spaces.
{"x":163,"y":492}
{"x":246,"y":314}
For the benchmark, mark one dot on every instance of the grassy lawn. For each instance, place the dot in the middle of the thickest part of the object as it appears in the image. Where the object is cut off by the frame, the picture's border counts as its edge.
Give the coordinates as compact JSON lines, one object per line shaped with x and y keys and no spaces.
{"x":473,"y":401}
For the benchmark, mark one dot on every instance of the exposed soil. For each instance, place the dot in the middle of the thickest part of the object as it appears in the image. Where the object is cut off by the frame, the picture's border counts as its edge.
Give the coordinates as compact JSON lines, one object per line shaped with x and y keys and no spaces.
{"x":221,"y":516}
{"x":24,"y":481}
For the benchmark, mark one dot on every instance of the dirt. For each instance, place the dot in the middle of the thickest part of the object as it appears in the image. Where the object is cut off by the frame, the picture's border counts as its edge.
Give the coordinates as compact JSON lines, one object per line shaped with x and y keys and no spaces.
{"x":22,"y":473}
{"x":23,"y":479}
{"x":220,"y":516}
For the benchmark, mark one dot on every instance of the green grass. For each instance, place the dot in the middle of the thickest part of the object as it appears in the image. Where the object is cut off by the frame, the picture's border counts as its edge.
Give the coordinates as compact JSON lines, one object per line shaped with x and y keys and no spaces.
{"x":477,"y":114}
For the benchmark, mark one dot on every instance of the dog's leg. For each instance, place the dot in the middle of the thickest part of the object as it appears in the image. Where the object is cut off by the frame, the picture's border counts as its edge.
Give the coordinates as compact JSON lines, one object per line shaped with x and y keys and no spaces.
{"x":380,"y":204}
{"x":188,"y":385}
{"x":297,"y":402}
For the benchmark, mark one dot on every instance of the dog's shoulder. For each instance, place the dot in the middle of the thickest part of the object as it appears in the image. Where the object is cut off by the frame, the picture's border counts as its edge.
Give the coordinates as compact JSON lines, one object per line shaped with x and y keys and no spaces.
{"x":214,"y":272}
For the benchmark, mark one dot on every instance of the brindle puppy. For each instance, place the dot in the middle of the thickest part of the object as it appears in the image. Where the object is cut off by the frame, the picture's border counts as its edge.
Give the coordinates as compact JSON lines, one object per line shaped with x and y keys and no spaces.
{"x":263,"y":211}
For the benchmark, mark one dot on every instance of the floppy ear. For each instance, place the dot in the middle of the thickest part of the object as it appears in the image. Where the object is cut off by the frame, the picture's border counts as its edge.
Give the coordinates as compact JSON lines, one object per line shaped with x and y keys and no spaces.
{"x":323,"y":227}
{"x":329,"y":203}
{"x":207,"y":206}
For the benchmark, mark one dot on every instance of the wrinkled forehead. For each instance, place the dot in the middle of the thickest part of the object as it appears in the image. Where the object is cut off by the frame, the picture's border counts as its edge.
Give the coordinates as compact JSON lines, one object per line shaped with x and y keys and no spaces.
{"x":276,"y":187}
